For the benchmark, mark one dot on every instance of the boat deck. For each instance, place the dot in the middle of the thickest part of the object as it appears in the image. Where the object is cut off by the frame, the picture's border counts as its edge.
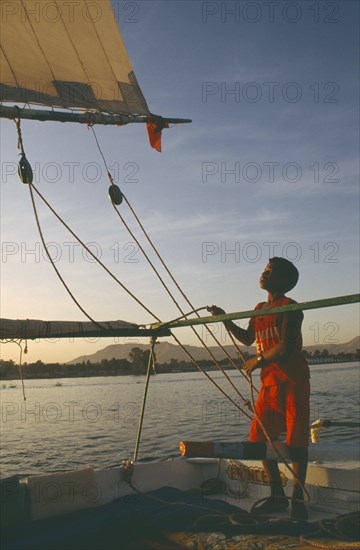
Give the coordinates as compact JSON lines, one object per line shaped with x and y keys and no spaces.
{"x":182,"y":503}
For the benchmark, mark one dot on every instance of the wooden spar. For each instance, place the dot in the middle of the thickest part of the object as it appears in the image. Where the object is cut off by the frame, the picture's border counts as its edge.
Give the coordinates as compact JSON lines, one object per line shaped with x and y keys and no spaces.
{"x":43,"y":115}
{"x":245,"y":450}
{"x":315,"y":304}
{"x":106,"y":333}
{"x":36,"y":329}
{"x":33,"y":329}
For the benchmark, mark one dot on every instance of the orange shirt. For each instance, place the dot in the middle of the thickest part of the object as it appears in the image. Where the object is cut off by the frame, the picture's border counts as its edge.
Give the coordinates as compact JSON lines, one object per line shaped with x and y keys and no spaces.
{"x":294,"y":367}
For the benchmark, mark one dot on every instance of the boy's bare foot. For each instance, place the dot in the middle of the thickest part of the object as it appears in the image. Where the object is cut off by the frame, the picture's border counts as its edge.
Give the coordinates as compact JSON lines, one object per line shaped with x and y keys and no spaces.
{"x":271,"y":505}
{"x":298,"y":511}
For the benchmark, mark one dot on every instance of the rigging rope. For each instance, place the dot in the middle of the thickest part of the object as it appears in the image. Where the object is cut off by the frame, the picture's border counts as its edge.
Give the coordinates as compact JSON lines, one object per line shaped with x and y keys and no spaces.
{"x":170,"y":274}
{"x":151,"y":363}
{"x":223,"y":371}
{"x":183,"y":294}
{"x":28,"y":181}
{"x":151,"y":356}
{"x":89,"y":251}
{"x":32,"y":187}
{"x":195,"y":311}
{"x":53,"y":263}
{"x":136,"y":299}
{"x":197,"y":365}
{"x":174,"y":300}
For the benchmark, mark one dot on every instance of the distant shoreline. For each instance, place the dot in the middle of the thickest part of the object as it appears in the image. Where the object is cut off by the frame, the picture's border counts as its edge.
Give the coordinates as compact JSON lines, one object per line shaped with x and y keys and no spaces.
{"x":99,"y":371}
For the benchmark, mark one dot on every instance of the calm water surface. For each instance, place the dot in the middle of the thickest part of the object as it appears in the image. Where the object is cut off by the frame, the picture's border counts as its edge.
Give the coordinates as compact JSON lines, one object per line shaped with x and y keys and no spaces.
{"x":93,"y":421}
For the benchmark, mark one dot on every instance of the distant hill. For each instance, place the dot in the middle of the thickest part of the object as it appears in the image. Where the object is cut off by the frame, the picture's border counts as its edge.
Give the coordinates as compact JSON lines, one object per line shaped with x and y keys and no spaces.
{"x":346,"y":347}
{"x":165,"y":351}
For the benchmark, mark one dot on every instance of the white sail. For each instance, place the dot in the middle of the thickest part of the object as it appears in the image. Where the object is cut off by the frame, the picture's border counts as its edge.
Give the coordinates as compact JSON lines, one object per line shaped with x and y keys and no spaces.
{"x":66,"y":54}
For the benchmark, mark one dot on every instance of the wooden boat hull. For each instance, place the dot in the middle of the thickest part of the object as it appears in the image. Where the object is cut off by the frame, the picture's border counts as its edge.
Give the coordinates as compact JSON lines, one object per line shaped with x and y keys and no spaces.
{"x":334,"y":488}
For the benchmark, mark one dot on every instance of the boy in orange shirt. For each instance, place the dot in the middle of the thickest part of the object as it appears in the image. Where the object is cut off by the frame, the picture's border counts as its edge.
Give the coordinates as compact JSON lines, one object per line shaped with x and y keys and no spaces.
{"x":283,"y":402}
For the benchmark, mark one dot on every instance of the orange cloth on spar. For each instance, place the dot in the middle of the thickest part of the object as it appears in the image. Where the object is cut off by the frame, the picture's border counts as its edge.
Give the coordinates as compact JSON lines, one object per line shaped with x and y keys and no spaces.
{"x":154,"y":130}
{"x":294,"y":367}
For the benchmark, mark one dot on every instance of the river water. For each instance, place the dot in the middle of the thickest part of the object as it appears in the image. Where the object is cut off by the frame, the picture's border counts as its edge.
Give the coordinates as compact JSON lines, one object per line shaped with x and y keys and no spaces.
{"x":94,"y":421}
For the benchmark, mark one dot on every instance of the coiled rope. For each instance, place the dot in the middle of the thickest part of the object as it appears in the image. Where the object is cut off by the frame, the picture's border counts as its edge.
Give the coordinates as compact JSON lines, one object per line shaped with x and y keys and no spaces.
{"x":344,"y":527}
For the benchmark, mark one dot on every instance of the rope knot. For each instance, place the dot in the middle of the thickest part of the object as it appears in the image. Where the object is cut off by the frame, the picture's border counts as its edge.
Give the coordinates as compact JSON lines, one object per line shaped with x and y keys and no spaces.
{"x":128,"y":470}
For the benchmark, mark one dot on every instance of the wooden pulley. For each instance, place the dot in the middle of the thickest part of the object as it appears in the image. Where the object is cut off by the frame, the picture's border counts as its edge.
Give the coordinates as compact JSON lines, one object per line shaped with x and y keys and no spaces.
{"x":25,"y":170}
{"x":115,"y":194}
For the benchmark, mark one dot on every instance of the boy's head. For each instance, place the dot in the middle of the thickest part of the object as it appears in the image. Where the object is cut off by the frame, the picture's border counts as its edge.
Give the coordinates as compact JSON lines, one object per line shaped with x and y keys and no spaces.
{"x":279,"y":275}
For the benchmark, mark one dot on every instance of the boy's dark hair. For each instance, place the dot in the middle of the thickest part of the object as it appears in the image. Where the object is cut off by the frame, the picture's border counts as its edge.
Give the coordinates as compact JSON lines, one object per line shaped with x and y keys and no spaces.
{"x":288,"y":272}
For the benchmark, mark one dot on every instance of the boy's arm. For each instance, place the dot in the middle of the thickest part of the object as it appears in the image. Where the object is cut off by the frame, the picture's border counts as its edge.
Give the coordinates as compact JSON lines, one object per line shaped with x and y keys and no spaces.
{"x":245,"y":336}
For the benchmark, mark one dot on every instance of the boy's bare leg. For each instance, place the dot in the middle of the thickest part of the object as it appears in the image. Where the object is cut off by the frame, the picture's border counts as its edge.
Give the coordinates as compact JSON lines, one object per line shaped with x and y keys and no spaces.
{"x":277,"y":501}
{"x":272,"y":471}
{"x":298,"y":509}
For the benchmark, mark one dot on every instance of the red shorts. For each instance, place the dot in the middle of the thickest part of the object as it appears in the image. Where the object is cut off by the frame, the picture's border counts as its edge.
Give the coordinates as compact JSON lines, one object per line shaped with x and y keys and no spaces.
{"x":283,"y":408}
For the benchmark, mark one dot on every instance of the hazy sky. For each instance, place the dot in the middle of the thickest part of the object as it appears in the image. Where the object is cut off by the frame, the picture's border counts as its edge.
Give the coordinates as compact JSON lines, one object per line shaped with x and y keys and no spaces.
{"x":268,"y":167}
